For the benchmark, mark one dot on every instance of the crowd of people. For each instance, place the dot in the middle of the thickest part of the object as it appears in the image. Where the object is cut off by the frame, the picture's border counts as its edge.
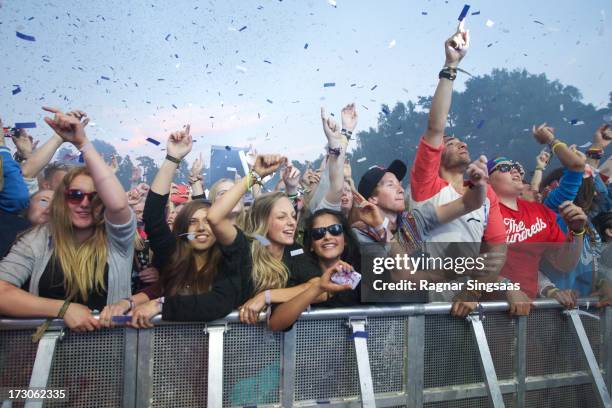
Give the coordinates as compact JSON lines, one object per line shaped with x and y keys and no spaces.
{"x":74,"y":242}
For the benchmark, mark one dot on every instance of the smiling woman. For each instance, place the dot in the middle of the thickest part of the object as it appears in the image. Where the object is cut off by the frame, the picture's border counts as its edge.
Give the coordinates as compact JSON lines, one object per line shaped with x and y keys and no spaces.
{"x":79,"y":261}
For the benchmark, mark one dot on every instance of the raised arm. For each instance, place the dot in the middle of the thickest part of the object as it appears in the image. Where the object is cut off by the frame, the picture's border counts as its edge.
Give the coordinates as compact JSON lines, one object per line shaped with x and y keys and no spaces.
{"x":222,"y":226}
{"x":455,"y":48}
{"x":196,"y":180}
{"x":72,"y":129}
{"x":601,"y":139}
{"x":178,"y":146}
{"x":544,"y":134}
{"x":541,"y":163}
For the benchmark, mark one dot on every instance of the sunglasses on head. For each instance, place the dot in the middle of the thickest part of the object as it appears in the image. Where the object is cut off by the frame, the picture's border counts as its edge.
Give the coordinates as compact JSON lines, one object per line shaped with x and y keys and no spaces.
{"x":319,"y":233}
{"x":77,"y":196}
{"x":506,"y":167}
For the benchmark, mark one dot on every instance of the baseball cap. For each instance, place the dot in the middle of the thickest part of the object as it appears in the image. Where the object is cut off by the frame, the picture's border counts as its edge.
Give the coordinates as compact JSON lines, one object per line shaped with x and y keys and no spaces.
{"x":370,"y":179}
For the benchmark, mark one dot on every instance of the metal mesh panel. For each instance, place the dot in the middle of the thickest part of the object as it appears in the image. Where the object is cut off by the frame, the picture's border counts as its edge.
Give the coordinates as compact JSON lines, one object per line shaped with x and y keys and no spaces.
{"x":89,"y":366}
{"x":180,"y":366}
{"x":17,"y":355}
{"x":325,"y":361}
{"x":451,"y":356}
{"x":552,"y":346}
{"x":500,"y":329}
{"x":251,"y":366}
{"x":576,"y":396}
{"x":482,"y":402}
{"x":386,"y":339}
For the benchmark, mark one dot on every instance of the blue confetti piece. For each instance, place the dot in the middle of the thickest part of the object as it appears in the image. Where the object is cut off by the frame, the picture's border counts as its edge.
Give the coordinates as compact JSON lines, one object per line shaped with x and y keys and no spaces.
{"x":476,"y":13}
{"x":168,"y":36}
{"x":228,"y":148}
{"x":305,"y":45}
{"x":269,"y":101}
{"x":105,"y":78}
{"x":464,"y":12}
{"x":573,"y":122}
{"x":352,"y":85}
{"x":243,"y":28}
{"x":374,"y":87}
{"x":124,"y":139}
{"x":423,"y":13}
{"x":174,"y":106}
{"x":538,"y":22}
{"x":480,"y":124}
{"x":267,"y":62}
{"x":31,"y":18}
{"x":25,"y":125}
{"x":25,"y":36}
{"x":16,"y":90}
{"x":151,"y":140}
{"x":176,"y":55}
{"x":262,"y":240}
{"x":329,"y":84}
{"x":386,"y":111}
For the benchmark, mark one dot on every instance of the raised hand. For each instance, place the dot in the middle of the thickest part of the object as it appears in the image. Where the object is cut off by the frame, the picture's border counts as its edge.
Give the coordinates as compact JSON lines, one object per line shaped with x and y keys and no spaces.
{"x":574,"y":216}
{"x":267,"y":164}
{"x":368,"y":212}
{"x":602,"y":137}
{"x":477,"y":172}
{"x":179,"y":143}
{"x":291,"y":177}
{"x":195,"y":173}
{"x":24,"y":143}
{"x":331,"y":129}
{"x":542,"y":159}
{"x":543,"y":134}
{"x":349,"y":117}
{"x":457,"y":45}
{"x":69,"y":127}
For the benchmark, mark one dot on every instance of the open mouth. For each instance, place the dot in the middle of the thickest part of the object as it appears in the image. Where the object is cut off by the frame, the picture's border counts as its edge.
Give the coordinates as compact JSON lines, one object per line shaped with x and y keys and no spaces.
{"x":329,"y":245}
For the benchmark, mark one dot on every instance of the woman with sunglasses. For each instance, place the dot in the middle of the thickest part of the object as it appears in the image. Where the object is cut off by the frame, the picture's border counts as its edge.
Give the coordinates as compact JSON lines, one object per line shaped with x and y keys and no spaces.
{"x":263,"y":265}
{"x":333,"y":245}
{"x":531,"y":228}
{"x":81,"y":260}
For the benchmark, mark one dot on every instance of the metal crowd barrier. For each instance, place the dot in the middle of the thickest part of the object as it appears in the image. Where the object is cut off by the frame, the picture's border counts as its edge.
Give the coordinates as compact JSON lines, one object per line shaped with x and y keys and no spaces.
{"x":405,"y":355}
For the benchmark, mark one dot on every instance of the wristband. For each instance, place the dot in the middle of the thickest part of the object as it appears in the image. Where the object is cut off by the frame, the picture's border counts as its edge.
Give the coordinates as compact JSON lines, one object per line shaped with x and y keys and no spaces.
{"x":267,"y":296}
{"x":334,"y":151}
{"x":540,"y":168}
{"x":131,"y":304}
{"x":173,"y":159}
{"x":346,"y":133}
{"x":596,"y":154}
{"x":40,"y":330}
{"x":383,"y":225}
{"x":557,"y":144}
{"x":579,"y":234}
{"x":448,"y":73}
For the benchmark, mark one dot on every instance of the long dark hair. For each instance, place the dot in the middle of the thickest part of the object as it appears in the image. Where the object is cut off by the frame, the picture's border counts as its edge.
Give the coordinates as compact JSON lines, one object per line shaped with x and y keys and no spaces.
{"x":180,"y":275}
{"x":351,"y":253}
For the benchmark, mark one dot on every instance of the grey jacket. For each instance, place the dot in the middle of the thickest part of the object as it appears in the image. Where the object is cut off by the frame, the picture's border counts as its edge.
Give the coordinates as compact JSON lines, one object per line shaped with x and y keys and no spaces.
{"x":30,"y":255}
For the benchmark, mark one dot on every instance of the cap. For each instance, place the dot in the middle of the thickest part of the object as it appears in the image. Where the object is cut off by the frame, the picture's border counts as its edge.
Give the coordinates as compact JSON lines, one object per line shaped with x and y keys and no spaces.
{"x":370,"y":179}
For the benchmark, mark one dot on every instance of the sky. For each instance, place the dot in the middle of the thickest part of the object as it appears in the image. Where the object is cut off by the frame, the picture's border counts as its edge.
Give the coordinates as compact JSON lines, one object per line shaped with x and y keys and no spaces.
{"x":240,"y":72}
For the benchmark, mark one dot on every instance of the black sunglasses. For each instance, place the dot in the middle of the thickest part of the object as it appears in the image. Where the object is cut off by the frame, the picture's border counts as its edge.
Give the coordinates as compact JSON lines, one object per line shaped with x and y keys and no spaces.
{"x":77,"y":196}
{"x":506,"y":167}
{"x":319,"y":233}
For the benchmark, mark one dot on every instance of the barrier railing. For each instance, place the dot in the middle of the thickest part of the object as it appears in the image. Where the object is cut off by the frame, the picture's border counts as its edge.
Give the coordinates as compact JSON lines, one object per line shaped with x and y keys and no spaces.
{"x":405,"y":355}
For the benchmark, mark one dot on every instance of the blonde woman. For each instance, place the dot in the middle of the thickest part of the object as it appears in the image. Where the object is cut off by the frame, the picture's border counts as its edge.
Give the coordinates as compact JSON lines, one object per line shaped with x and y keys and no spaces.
{"x":81,"y":260}
{"x":265,"y":267}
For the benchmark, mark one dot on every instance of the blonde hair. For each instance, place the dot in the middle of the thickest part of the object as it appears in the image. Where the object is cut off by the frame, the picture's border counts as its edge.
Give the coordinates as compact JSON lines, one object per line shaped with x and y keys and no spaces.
{"x":241,"y":219}
{"x":268,"y":272}
{"x":83,"y":264}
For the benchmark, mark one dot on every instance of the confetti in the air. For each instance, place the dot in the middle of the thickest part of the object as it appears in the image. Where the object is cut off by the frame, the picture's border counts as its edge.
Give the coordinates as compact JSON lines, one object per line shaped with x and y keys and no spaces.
{"x":16,"y":90}
{"x":464,"y":12}
{"x":25,"y":125}
{"x":392,"y":43}
{"x":489,"y":23}
{"x":151,"y":140}
{"x":25,"y":36}
{"x":329,"y":84}
{"x":362,"y":159}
